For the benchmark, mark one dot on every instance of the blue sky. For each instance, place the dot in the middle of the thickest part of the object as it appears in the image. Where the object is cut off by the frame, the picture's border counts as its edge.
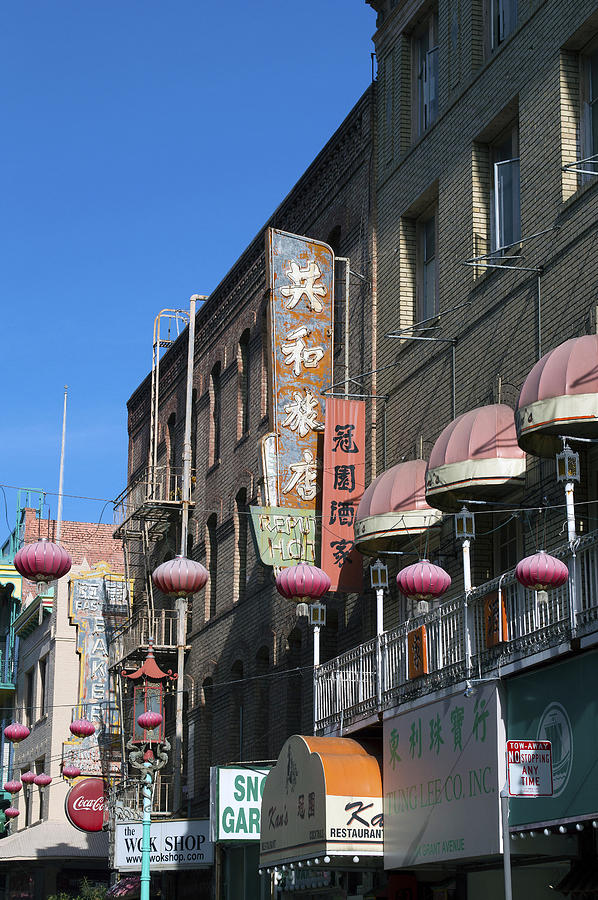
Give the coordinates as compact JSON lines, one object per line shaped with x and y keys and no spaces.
{"x":144,"y":145}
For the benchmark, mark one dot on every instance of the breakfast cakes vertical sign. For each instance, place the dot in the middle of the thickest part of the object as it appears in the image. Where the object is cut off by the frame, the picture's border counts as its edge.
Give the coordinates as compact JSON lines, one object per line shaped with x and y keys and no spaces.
{"x":301,"y":283}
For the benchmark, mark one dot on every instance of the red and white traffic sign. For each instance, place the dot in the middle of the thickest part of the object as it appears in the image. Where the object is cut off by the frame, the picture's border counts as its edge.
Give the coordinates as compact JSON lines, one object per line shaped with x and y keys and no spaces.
{"x":529,"y":768}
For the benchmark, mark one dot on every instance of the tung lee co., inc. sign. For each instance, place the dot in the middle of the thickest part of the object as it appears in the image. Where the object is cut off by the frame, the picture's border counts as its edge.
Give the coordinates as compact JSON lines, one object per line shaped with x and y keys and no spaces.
{"x":443,"y":770}
{"x":174,"y":844}
{"x":235,"y":802}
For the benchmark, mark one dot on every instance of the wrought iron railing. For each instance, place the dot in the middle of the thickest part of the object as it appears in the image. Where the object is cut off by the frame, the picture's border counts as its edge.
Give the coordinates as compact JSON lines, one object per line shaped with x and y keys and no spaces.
{"x":375,"y":676}
{"x":135,"y":634}
{"x":159,"y":484}
{"x":126,"y":800}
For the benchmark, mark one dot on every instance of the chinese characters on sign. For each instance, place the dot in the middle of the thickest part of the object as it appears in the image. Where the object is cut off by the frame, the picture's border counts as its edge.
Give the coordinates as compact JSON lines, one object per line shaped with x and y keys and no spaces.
{"x":342,"y":487}
{"x":495,"y":630}
{"x":443,"y":769}
{"x":301,"y":275}
{"x":418,"y":652}
{"x":98,"y":604}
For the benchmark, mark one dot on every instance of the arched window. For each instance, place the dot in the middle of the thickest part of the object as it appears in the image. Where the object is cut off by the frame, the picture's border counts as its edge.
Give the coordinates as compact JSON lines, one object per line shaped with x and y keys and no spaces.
{"x":241,"y":528}
{"x":212,"y":553}
{"x":243,"y":384}
{"x":262,"y":700}
{"x":215,"y":413}
{"x":171,"y":450}
{"x":236,"y":726}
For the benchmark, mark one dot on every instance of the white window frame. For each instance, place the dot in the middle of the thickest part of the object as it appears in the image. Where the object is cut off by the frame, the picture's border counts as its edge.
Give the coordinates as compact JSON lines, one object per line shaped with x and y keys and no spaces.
{"x":589,"y":107}
{"x":425,"y":75}
{"x":505,"y":203}
{"x":426,"y":266}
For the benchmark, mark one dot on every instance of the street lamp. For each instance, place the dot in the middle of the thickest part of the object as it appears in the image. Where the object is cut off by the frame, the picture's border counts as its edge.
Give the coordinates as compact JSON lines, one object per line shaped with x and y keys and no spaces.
{"x":379,"y":581}
{"x":148,"y":747}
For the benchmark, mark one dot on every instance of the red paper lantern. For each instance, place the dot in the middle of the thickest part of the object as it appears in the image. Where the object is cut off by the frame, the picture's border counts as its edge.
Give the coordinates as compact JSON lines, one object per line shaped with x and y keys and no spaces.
{"x":180,"y":577}
{"x":149,"y":720}
{"x":16,"y":732}
{"x":423,"y":581}
{"x":42,"y":780}
{"x":541,"y":572}
{"x":71,"y":771}
{"x":42,"y":561}
{"x":302,"y":583}
{"x":28,"y":777}
{"x":11,"y":812}
{"x":13,"y":787}
{"x":82,"y":728}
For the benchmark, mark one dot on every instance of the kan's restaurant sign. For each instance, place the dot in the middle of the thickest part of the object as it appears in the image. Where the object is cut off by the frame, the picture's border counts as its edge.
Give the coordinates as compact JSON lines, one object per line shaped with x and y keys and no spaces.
{"x":324,"y":796}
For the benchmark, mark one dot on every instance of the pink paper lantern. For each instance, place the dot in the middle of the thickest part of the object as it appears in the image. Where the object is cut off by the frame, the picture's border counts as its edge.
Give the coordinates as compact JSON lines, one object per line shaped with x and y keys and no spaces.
{"x":28,"y":777}
{"x":82,"y":728}
{"x":302,"y":583}
{"x":423,"y":581}
{"x":541,"y":572}
{"x":42,"y":780}
{"x":11,"y":812}
{"x":16,"y":732}
{"x":71,"y":771}
{"x":180,"y":577}
{"x":13,"y":787}
{"x":42,"y":561}
{"x":149,"y":720}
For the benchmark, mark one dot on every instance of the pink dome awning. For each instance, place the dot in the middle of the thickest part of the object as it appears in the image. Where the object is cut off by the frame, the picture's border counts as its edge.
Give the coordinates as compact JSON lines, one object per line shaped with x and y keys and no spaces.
{"x":559,"y":397}
{"x":475,"y":457}
{"x":393,"y":507}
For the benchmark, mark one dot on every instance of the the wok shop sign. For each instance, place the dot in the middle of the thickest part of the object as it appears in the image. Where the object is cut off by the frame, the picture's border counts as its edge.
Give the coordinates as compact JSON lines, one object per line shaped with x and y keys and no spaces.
{"x":176,"y":844}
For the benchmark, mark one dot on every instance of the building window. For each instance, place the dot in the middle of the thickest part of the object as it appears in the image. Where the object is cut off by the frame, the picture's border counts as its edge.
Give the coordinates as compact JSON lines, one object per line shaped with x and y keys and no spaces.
{"x":29,"y":699}
{"x":212,"y":543}
{"x":171,"y":431}
{"x":42,"y":672}
{"x":427,"y":298}
{"x":243,"y":382}
{"x":589,"y":107}
{"x":265,"y":373}
{"x":507,"y":541}
{"x":502,"y":21}
{"x":425,"y":75}
{"x":215,"y":410}
{"x":505,"y":212}
{"x":241,"y":528}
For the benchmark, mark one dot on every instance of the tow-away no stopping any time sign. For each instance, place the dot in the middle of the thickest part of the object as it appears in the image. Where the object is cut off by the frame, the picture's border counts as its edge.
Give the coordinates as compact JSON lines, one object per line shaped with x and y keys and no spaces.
{"x":529,"y":768}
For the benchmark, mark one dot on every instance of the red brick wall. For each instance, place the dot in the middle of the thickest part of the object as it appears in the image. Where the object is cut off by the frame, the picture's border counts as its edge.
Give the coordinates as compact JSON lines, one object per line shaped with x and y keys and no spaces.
{"x":83,"y":540}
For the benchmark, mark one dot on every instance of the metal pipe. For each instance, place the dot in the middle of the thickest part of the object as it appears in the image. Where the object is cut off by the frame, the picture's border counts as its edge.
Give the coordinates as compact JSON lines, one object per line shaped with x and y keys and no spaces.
{"x":569,"y":491}
{"x":61,"y":475}
{"x":379,"y":611}
{"x":506,"y":843}
{"x":467,"y":587}
{"x":454,"y":377}
{"x":539,"y":313}
{"x":145,"y":838}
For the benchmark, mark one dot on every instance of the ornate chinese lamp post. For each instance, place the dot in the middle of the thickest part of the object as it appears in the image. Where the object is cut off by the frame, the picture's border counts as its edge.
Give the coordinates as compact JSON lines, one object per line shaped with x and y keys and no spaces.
{"x":148,"y":748}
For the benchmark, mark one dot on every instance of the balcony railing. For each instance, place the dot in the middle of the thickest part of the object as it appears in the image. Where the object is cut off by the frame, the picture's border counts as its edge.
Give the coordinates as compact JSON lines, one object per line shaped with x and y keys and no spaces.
{"x":136,"y":633}
{"x":152,"y":498}
{"x":375,"y":676}
{"x":126,"y":800}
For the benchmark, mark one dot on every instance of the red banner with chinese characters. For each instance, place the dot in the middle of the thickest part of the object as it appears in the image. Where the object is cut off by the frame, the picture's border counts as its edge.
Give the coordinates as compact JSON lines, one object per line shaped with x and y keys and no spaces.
{"x":343,"y":484}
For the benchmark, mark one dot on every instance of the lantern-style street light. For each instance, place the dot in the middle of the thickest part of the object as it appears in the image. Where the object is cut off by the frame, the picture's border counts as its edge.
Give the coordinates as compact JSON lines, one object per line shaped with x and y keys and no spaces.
{"x":379,"y":581}
{"x":303,"y":583}
{"x":148,"y":747}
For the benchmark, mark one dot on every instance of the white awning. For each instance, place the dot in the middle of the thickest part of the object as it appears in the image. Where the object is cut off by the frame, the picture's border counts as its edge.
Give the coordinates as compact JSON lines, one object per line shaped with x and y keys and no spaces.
{"x":54,"y":840}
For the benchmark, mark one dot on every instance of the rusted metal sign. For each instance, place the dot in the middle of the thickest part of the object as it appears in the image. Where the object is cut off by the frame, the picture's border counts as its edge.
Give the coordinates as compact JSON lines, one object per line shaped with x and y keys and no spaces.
{"x":301,"y":282}
{"x":343,"y":487}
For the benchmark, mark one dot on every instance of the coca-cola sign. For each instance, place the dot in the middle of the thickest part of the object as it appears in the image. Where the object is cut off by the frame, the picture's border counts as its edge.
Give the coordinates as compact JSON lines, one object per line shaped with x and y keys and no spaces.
{"x":85,"y":804}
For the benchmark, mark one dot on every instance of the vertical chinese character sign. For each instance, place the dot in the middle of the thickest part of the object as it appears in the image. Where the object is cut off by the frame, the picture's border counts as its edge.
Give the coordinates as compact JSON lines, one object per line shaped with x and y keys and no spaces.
{"x":343,"y":486}
{"x":301,"y":282}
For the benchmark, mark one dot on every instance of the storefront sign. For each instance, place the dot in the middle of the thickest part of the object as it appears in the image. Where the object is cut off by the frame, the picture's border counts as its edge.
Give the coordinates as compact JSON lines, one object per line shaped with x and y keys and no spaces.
{"x":284,"y":536}
{"x":559,"y":704}
{"x":343,"y":484}
{"x":236,"y":802}
{"x":443,"y":771}
{"x":86,"y":803}
{"x":301,"y":282}
{"x":324,"y":796}
{"x":174,"y":844}
{"x":529,"y":768}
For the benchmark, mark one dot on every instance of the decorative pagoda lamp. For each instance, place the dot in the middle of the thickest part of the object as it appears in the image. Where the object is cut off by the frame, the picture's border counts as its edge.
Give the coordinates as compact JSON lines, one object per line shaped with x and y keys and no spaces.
{"x":148,"y":747}
{"x":567,"y":472}
{"x":379,"y":581}
{"x":303,"y":583}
